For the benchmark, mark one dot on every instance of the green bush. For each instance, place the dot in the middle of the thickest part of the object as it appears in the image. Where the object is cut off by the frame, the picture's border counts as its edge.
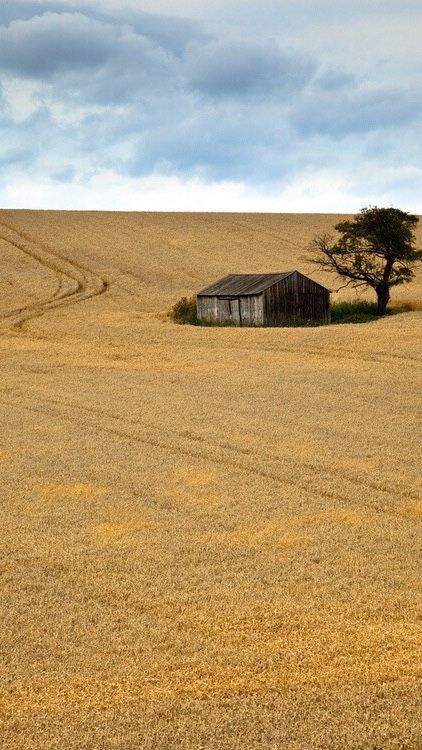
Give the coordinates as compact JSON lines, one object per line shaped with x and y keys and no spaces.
{"x":184,"y":311}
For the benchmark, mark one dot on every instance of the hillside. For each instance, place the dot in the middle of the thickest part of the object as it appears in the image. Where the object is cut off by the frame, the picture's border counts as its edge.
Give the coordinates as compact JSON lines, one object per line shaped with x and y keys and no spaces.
{"x":212,"y":536}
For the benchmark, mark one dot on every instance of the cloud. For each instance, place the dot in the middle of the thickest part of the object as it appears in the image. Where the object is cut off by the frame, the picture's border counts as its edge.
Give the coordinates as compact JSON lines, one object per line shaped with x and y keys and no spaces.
{"x":22,"y":10}
{"x":309,"y":191}
{"x":62,"y":47}
{"x":235,"y":68}
{"x":53,"y":42}
{"x":95,"y":92}
{"x":170,"y":32}
{"x":22,"y":143}
{"x":333,"y":79}
{"x":358,"y":111}
{"x":14,"y":156}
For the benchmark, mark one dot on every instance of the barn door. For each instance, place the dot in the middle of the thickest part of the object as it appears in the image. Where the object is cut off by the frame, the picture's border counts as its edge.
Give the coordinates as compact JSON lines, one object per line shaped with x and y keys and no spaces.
{"x":235,"y":311}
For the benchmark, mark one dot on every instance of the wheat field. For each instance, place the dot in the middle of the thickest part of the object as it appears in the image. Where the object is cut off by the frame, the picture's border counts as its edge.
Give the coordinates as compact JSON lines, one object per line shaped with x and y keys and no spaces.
{"x":211,"y":536}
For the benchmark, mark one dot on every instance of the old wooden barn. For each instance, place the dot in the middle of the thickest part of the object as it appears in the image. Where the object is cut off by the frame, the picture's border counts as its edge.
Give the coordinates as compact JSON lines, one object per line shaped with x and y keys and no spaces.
{"x":271,"y":299}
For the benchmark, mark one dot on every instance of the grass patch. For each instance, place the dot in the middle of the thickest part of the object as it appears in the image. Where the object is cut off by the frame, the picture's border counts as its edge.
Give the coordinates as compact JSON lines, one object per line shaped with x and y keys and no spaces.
{"x":361,"y":311}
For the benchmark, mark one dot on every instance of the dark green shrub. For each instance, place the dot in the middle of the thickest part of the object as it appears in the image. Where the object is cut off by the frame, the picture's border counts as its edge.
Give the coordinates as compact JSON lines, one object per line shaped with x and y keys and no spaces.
{"x":184,"y":311}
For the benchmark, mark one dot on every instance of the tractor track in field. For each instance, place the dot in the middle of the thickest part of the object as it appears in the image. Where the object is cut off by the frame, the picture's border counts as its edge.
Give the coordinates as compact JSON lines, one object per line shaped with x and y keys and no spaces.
{"x":278,"y":469}
{"x":75,"y":283}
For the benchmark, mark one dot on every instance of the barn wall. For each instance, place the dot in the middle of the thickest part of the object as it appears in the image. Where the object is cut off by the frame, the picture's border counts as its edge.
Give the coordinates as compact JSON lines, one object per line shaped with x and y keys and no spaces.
{"x":296,"y":298}
{"x":246,"y":316}
{"x":244,"y":311}
{"x":314,"y":300}
{"x":206,"y":308}
{"x":281,"y":302}
{"x":252,"y":310}
{"x":224,"y":312}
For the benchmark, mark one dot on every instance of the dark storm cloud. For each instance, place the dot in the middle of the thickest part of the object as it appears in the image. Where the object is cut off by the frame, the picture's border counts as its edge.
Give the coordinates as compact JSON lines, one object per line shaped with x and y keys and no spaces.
{"x":41,"y":45}
{"x":53,"y":42}
{"x":170,"y":32}
{"x":356,"y":111}
{"x":235,"y":68}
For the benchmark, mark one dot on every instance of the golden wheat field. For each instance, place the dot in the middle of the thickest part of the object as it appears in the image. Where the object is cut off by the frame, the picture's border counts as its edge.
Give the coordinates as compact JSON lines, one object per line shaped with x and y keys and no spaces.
{"x":211,"y":536}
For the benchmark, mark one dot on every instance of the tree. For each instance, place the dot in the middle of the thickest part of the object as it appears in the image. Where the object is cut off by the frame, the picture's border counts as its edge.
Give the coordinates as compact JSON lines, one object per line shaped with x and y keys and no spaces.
{"x":375,"y":249}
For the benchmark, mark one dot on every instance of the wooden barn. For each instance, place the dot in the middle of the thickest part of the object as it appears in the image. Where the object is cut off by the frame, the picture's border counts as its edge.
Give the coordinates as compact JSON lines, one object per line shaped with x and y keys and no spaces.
{"x":264,"y":299}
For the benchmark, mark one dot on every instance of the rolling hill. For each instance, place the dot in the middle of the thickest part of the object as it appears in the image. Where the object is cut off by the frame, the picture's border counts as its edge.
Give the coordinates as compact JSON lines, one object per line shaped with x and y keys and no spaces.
{"x":211,"y":536}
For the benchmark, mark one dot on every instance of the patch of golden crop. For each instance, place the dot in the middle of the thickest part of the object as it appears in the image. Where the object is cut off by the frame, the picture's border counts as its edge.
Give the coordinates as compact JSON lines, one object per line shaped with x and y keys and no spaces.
{"x":259,"y":535}
{"x":211,"y":537}
{"x":414,"y":509}
{"x":77,"y":490}
{"x":409,"y":304}
{"x":121,"y":534}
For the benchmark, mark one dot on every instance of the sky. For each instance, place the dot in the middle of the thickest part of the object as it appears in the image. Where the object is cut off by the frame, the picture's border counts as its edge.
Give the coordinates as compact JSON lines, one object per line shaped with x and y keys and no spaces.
{"x":224,"y":105}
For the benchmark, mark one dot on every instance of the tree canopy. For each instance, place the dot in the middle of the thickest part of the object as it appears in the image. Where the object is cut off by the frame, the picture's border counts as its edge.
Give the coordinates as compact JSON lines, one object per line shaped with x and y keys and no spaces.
{"x":376,"y":248}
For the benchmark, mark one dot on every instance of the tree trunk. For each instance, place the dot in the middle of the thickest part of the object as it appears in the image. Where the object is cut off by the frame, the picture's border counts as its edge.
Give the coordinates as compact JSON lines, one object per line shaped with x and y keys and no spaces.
{"x":383,"y":297}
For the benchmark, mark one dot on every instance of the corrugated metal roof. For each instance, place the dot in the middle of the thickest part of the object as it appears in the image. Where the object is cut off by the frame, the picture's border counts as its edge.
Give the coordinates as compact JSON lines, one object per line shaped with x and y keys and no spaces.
{"x":243,"y":284}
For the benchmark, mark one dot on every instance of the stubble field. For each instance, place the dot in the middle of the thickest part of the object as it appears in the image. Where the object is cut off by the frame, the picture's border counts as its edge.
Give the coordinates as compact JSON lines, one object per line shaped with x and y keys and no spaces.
{"x":211,"y":536}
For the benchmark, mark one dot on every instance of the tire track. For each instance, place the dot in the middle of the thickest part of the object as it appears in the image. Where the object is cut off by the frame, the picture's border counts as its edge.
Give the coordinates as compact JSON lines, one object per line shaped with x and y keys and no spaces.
{"x":279,"y":469}
{"x":75,"y":283}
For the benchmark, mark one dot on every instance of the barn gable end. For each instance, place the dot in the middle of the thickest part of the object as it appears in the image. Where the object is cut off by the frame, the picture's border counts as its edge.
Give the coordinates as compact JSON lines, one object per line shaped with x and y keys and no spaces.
{"x":296,"y":298}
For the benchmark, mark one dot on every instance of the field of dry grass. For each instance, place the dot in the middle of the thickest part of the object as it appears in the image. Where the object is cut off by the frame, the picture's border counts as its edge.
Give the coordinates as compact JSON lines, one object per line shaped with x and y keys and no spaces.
{"x":211,"y":536}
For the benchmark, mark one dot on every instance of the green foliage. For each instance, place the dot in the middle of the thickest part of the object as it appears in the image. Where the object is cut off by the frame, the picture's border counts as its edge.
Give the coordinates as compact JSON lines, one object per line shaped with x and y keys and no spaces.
{"x":375,"y":249}
{"x":359,"y":311}
{"x":184,"y":311}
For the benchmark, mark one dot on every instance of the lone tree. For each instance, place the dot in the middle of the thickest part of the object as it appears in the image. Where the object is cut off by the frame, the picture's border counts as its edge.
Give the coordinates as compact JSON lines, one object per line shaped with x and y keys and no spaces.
{"x":376,"y":249}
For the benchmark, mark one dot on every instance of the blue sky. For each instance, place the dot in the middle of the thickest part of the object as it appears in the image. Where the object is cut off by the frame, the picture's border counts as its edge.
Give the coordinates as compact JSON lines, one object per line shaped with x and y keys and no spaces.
{"x":242,"y":106}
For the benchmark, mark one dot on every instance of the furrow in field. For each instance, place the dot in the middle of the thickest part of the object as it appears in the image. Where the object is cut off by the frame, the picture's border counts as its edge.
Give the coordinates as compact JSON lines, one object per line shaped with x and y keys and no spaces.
{"x":280,"y":469}
{"x":75,"y":283}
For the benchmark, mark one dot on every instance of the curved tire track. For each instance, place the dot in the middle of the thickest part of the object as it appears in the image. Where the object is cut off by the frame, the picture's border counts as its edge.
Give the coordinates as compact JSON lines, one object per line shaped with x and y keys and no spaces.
{"x":75,"y":283}
{"x":282,"y":470}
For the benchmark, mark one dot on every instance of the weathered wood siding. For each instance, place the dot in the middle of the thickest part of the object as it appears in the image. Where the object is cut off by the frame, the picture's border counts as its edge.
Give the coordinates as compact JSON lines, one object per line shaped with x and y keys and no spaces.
{"x":292,"y":299}
{"x":296,"y":298}
{"x":241,"y":311}
{"x":252,"y":310}
{"x":206,"y":308}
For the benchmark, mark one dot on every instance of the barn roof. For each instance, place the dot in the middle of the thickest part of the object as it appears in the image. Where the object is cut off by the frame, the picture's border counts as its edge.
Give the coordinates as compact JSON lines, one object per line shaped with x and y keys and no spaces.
{"x":238,"y":284}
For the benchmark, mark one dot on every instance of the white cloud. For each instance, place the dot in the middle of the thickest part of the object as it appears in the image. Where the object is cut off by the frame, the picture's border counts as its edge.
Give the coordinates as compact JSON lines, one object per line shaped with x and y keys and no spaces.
{"x":22,"y":97}
{"x":320,"y":191}
{"x":112,"y":191}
